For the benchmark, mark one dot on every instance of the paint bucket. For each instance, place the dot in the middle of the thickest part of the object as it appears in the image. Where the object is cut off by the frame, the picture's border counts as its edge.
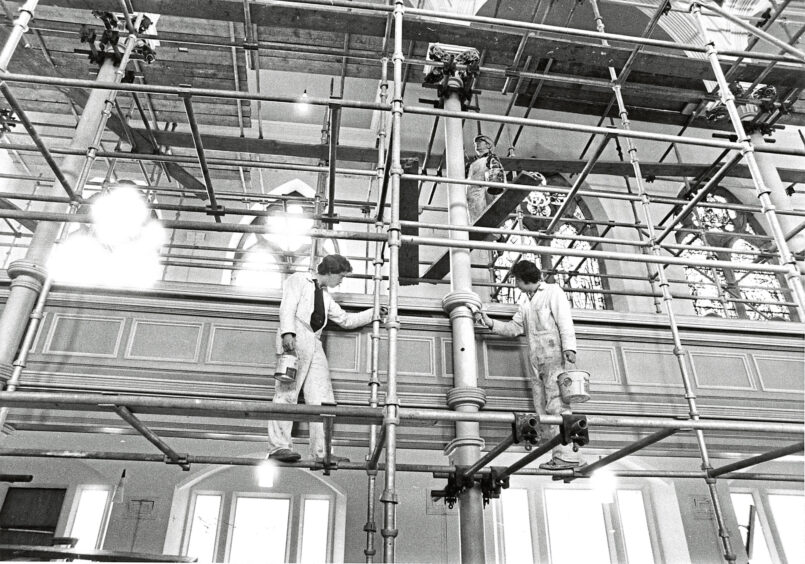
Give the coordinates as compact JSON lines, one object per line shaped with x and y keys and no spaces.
{"x":574,"y":385}
{"x":287,"y":364}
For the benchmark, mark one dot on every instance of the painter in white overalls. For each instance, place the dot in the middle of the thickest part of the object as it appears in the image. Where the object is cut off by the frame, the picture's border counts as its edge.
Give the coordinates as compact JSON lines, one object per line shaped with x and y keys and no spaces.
{"x":547,"y":324}
{"x":301,"y":324}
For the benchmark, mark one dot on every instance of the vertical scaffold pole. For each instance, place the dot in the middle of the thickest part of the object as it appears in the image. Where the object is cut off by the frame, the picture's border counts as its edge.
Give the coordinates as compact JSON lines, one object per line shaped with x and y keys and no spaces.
{"x":465,"y":395}
{"x":30,"y":284}
{"x":391,"y":418}
{"x":748,"y":151}
{"x":679,"y":351}
{"x":374,"y":382}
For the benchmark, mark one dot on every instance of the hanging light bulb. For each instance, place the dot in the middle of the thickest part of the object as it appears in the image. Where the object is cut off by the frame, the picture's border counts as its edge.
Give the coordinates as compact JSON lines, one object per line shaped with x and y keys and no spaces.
{"x":303,"y":105}
{"x":119,"y":216}
{"x":120,"y":489}
{"x":266,"y":473}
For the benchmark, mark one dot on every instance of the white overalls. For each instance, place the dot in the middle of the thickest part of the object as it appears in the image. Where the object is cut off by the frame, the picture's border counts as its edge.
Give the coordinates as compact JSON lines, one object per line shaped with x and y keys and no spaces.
{"x":548,"y":326}
{"x":477,"y":198}
{"x":313,"y":374}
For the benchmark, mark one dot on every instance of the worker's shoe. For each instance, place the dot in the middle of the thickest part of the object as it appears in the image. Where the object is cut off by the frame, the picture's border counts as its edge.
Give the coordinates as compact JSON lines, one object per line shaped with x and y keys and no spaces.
{"x":555,"y":464}
{"x":285,"y":455}
{"x":334,"y":460}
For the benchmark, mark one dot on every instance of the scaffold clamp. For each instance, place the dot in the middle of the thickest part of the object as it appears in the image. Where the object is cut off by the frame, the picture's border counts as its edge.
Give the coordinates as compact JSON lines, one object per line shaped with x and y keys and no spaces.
{"x":525,"y":428}
{"x":573,"y":429}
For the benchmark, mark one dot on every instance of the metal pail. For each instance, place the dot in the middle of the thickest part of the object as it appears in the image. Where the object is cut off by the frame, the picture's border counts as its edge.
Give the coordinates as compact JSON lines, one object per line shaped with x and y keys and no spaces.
{"x":574,"y":386}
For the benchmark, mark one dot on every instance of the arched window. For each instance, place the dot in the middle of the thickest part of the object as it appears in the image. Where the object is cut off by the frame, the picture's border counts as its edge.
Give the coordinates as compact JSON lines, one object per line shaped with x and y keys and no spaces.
{"x":580,"y":277}
{"x":263,"y":260}
{"x":730,"y":292}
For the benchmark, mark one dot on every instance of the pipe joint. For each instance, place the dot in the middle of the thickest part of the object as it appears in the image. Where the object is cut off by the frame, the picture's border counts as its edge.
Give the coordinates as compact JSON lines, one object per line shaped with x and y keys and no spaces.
{"x":388,"y":496}
{"x":466,"y":395}
{"x":389,"y":533}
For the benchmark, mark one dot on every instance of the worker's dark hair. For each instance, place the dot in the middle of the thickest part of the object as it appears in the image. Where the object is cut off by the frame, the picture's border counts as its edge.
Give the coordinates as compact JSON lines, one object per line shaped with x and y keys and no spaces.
{"x":334,"y":264}
{"x":526,"y":271}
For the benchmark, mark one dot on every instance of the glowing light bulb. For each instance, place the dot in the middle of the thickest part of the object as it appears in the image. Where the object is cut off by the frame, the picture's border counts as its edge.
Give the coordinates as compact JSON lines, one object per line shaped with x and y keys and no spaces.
{"x":119,"y":216}
{"x":303,"y":105}
{"x":266,"y":473}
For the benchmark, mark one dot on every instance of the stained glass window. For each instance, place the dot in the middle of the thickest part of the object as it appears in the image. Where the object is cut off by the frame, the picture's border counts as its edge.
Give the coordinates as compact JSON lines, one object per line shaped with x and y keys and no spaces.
{"x":580,"y":277}
{"x":730,"y":292}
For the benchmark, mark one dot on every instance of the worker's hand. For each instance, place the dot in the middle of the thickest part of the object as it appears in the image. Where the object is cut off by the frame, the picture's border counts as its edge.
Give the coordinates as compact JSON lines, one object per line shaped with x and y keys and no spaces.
{"x":486,"y":320}
{"x":570,"y":356}
{"x":289,"y":342}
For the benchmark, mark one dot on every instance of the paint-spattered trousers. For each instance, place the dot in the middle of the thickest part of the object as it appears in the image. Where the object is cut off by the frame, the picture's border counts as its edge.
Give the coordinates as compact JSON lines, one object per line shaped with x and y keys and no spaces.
{"x":313,"y":377}
{"x":547,"y":362}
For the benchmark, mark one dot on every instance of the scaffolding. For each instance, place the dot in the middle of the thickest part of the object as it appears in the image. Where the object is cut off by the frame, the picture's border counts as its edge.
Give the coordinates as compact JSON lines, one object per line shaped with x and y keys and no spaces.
{"x":384,"y":229}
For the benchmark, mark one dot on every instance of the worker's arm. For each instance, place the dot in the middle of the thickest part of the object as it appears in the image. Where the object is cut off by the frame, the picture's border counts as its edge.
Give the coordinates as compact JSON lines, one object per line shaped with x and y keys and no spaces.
{"x":513,"y":328}
{"x":560,"y":308}
{"x":348,"y":320}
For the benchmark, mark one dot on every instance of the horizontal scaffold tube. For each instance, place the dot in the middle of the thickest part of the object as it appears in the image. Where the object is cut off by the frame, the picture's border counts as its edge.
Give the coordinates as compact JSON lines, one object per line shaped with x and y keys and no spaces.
{"x":571,"y":252}
{"x":349,"y":414}
{"x":403,"y":467}
{"x":418,"y":110}
{"x":228,"y":162}
{"x":545,"y":28}
{"x":200,"y":226}
{"x":646,"y":135}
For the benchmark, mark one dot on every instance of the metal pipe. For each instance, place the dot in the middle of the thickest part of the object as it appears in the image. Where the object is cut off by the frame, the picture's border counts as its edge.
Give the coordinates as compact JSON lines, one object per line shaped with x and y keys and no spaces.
{"x":201,"y":226}
{"x":28,"y":275}
{"x":229,"y":162}
{"x":517,"y":24}
{"x":531,"y":456}
{"x":357,"y":415}
{"x":202,"y":158}
{"x":678,"y":350}
{"x":26,"y":12}
{"x":656,"y":198}
{"x":765,"y":457}
{"x":150,"y":436}
{"x":564,"y":126}
{"x":700,"y":195}
{"x":228,"y":94}
{"x":438,"y":471}
{"x":625,"y":451}
{"x":37,"y":139}
{"x":374,"y":381}
{"x":611,"y":255}
{"x":57,"y":82}
{"x":754,"y":30}
{"x":335,"y":128}
{"x":465,"y":396}
{"x":374,"y":457}
{"x":391,"y":418}
{"x":499,"y":449}
{"x":762,"y":189}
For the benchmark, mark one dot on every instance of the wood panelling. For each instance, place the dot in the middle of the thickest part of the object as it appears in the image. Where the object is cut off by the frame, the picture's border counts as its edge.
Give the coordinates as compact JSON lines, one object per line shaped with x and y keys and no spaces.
{"x":164,"y":340}
{"x":241,"y":346}
{"x":79,"y":335}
